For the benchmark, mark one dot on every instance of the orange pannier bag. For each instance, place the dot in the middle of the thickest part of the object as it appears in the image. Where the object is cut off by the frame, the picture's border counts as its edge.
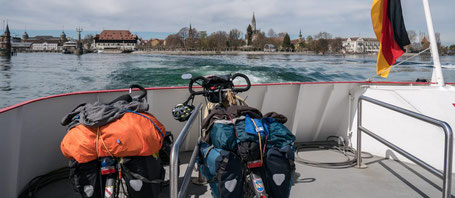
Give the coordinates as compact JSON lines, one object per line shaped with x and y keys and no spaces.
{"x":134,"y":134}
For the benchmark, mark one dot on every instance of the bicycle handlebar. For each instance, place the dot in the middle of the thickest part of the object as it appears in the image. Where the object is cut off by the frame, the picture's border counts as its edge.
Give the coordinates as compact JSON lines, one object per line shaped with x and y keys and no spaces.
{"x":190,"y":86}
{"x":206,"y":80}
{"x":144,"y":92}
{"x":248,"y":83}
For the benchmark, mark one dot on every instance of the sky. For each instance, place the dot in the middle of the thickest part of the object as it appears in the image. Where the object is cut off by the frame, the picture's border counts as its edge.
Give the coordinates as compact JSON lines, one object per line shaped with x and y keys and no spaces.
{"x":344,"y":18}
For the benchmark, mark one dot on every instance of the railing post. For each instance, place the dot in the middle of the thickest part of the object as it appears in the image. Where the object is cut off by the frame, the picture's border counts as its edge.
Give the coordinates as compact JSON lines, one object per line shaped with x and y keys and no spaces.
{"x":445,"y":174}
{"x":173,"y":165}
{"x":359,"y":135}
{"x":448,"y":153}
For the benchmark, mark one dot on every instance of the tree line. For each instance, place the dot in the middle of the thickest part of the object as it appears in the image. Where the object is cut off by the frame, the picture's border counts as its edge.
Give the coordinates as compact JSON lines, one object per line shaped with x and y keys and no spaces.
{"x":190,"y":39}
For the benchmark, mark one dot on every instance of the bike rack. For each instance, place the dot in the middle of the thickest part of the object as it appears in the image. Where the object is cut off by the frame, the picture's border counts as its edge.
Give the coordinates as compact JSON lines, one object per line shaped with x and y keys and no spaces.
{"x":445,"y":175}
{"x":173,"y":176}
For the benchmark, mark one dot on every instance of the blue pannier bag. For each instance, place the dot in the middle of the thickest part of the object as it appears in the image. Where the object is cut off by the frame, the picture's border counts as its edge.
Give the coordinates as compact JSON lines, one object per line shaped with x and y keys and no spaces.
{"x":279,"y":170}
{"x":279,"y":136}
{"x":223,"y":170}
{"x":249,"y":128}
{"x":222,"y":135}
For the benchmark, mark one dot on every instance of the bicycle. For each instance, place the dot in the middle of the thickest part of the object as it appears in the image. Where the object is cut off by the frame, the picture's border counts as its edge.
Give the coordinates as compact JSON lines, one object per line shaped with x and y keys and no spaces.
{"x":220,"y":92}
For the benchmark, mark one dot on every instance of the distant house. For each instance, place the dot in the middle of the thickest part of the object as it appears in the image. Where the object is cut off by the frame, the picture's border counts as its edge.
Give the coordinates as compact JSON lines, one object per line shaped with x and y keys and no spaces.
{"x":21,"y":46}
{"x":269,"y":48}
{"x":156,"y":42}
{"x":116,"y":40}
{"x":361,"y":45}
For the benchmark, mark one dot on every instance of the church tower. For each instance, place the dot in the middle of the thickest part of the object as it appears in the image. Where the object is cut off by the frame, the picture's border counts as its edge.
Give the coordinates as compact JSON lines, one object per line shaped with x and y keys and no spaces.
{"x":63,"y":37}
{"x":25,"y":36}
{"x":253,"y":24}
{"x":300,"y":35}
{"x":7,"y":41}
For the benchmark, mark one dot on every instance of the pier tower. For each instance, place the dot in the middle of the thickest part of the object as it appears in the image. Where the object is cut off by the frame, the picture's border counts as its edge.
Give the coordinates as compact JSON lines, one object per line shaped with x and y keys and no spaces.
{"x":79,"y":49}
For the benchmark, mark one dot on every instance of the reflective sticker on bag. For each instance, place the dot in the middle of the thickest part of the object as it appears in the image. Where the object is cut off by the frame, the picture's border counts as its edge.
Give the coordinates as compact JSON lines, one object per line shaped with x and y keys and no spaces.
{"x":259,"y":185}
{"x":260,"y":129}
{"x":108,"y":191}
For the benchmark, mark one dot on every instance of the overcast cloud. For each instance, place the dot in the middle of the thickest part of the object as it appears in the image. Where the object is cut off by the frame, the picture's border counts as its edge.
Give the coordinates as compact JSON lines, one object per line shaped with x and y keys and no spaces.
{"x":340,"y":17}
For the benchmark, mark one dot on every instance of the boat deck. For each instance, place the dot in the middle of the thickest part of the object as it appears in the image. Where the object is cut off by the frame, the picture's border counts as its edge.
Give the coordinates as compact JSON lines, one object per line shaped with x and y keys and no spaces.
{"x":383,"y":178}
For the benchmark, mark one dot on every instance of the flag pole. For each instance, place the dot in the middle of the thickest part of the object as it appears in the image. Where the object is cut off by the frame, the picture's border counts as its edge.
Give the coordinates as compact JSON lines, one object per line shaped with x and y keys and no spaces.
{"x":437,"y":76}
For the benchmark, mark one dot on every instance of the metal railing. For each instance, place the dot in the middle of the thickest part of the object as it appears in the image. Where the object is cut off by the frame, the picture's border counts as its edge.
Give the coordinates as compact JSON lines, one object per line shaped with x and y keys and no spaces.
{"x":445,"y":175}
{"x":173,"y":176}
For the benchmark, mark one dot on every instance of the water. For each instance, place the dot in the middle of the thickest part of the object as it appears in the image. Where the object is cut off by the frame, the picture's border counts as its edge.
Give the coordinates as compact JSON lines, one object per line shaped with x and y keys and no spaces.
{"x":33,"y":75}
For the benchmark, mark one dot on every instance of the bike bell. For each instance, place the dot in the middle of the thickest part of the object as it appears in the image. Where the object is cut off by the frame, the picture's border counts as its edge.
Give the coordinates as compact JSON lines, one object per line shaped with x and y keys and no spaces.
{"x":182,"y":112}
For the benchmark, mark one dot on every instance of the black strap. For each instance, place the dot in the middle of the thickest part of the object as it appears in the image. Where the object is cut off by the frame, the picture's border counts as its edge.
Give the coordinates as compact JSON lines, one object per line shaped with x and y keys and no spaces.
{"x":220,"y":173}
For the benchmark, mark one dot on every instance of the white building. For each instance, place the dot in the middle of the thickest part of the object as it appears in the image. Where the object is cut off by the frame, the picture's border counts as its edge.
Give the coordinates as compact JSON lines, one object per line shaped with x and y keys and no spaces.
{"x":45,"y":46}
{"x":361,"y":45}
{"x":45,"y":43}
{"x":116,"y":40}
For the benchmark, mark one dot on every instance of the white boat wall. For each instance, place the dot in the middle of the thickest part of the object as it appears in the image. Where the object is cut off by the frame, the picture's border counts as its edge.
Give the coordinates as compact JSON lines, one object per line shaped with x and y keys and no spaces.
{"x":31,"y":132}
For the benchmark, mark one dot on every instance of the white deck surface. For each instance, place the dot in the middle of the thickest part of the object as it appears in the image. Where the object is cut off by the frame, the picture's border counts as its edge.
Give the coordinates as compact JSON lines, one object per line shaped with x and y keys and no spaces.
{"x":382,"y":178}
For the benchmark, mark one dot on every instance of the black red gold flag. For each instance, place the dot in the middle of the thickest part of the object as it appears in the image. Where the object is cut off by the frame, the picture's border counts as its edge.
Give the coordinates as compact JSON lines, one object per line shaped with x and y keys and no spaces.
{"x":390,"y":31}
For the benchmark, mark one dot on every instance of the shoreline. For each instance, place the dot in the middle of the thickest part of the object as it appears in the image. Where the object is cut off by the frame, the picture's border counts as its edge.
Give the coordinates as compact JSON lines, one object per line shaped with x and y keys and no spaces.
{"x":220,"y":53}
{"x":202,"y":53}
{"x":209,"y":53}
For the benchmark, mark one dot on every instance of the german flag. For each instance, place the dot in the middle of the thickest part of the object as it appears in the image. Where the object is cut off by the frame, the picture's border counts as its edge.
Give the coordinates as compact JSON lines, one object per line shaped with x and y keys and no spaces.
{"x":389,"y":28}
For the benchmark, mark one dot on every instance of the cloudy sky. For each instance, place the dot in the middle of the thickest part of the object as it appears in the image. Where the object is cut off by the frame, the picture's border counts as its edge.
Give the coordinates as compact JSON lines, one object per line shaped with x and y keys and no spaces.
{"x":340,"y":17}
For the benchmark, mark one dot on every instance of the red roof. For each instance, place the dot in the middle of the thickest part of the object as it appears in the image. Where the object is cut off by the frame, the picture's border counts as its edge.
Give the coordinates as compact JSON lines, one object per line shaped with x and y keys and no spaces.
{"x":117,"y":35}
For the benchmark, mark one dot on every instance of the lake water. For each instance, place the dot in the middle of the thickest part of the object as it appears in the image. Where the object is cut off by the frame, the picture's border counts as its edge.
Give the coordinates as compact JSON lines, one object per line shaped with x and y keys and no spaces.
{"x":32,"y":75}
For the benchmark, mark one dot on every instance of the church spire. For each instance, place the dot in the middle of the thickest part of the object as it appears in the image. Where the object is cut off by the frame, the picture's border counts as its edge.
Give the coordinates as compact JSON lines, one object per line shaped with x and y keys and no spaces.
{"x":7,"y":38}
{"x":7,"y":33}
{"x":253,"y":23}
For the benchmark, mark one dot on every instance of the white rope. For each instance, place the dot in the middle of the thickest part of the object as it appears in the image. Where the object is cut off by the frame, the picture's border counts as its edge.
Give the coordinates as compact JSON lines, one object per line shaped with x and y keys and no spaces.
{"x":369,"y":79}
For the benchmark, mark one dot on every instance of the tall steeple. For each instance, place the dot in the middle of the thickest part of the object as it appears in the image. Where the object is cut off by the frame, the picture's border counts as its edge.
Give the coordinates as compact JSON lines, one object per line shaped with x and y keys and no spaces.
{"x":63,"y":37}
{"x":253,"y":23}
{"x":300,"y":35}
{"x":8,"y":40}
{"x":7,"y":33}
{"x":24,"y":36}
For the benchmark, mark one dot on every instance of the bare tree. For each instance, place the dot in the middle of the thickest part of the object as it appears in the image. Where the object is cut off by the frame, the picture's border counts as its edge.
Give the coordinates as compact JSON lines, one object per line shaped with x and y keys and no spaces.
{"x":183,"y":33}
{"x":218,"y":40}
{"x":192,"y":41}
{"x":323,"y":35}
{"x":412,"y":36}
{"x":235,"y":39}
{"x":203,"y":40}
{"x":271,"y":33}
{"x":438,"y":38}
{"x":321,"y":45}
{"x":282,"y":34}
{"x":336,"y":44}
{"x":173,"y":41}
{"x":259,"y":41}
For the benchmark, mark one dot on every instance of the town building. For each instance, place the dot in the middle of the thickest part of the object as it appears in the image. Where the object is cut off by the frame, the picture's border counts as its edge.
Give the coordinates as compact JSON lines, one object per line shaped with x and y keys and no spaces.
{"x":45,"y":43}
{"x":299,"y":43}
{"x":361,"y":45}
{"x":269,"y":48}
{"x":156,"y":42}
{"x":21,"y":47}
{"x":115,"y":41}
